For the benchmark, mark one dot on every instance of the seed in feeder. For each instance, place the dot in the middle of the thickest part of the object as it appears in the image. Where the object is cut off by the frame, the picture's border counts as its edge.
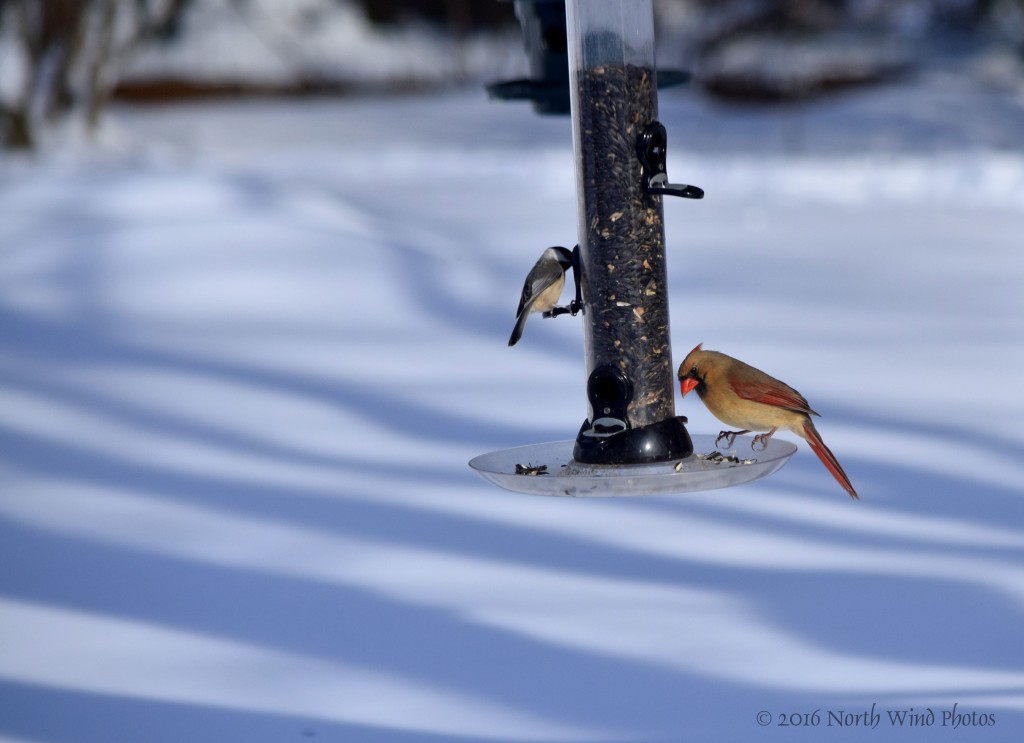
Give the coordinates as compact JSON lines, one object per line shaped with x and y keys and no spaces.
{"x":625,"y":237}
{"x":679,"y":466}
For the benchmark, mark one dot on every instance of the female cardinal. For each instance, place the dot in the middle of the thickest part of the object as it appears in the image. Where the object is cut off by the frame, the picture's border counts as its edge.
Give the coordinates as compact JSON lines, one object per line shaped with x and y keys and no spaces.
{"x":742,"y":396}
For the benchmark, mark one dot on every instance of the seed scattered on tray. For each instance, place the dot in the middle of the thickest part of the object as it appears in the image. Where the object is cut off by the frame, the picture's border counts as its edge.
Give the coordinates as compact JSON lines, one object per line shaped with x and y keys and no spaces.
{"x":716,"y":457}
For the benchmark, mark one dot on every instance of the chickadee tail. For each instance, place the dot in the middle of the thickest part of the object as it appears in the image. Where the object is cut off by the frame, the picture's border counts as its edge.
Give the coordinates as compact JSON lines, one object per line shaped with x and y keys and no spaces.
{"x":517,"y":331}
{"x":810,"y":433}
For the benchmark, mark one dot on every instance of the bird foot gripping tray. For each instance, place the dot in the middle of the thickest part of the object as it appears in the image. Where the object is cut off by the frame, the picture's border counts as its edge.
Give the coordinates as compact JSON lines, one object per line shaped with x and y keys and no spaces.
{"x":549,"y":469}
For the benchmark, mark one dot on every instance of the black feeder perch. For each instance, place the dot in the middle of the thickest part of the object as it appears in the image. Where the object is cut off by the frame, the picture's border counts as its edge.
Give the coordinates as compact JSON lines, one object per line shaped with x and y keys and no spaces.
{"x":632,"y":442}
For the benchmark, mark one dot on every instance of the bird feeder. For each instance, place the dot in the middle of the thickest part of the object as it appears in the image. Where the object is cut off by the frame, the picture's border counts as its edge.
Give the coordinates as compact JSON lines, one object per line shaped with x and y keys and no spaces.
{"x":631,"y":442}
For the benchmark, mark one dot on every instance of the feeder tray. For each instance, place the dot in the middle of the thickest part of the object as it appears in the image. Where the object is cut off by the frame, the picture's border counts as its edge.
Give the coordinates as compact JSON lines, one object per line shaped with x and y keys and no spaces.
{"x":549,"y":469}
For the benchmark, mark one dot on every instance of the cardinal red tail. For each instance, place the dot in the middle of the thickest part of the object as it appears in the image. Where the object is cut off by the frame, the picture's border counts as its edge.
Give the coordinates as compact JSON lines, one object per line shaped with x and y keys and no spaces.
{"x":810,"y":433}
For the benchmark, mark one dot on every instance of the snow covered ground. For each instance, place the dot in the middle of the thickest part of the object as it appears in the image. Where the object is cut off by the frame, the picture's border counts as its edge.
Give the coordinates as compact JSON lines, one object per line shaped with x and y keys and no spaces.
{"x":270,"y":42}
{"x":248,"y":349}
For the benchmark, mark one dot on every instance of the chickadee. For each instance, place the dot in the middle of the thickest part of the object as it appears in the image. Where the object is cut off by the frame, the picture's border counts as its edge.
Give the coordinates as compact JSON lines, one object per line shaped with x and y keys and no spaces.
{"x":542,"y":288}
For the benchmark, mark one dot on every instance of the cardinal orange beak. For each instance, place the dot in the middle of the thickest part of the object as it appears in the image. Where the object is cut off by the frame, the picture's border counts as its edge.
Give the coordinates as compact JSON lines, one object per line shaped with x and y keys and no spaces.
{"x":686,"y":385}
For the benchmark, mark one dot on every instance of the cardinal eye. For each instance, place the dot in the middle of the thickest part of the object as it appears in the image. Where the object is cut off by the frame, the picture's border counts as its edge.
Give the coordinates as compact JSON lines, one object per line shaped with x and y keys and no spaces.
{"x":693,"y":371}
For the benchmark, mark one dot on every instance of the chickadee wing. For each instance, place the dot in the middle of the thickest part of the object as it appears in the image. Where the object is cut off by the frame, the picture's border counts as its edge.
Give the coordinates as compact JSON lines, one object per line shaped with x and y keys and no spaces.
{"x":552,"y":275}
{"x":527,"y":294}
{"x":545,"y":272}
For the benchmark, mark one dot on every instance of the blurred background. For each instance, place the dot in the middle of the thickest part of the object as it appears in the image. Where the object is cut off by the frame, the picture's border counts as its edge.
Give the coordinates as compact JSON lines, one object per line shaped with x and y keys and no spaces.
{"x":259,"y":261}
{"x":69,"y":58}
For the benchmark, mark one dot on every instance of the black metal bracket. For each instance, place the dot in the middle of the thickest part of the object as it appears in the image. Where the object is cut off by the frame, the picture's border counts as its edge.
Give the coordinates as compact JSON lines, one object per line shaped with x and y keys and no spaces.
{"x":652,"y":149}
{"x":610,"y":439}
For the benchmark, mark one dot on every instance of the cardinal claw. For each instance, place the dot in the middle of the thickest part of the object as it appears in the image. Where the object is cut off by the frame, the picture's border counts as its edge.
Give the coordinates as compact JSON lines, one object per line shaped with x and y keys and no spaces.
{"x":760,"y":442}
{"x":729,"y":437}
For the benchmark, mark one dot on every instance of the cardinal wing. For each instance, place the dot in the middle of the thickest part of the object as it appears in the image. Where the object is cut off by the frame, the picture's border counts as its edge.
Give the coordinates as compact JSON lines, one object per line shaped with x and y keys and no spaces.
{"x":774,"y":393}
